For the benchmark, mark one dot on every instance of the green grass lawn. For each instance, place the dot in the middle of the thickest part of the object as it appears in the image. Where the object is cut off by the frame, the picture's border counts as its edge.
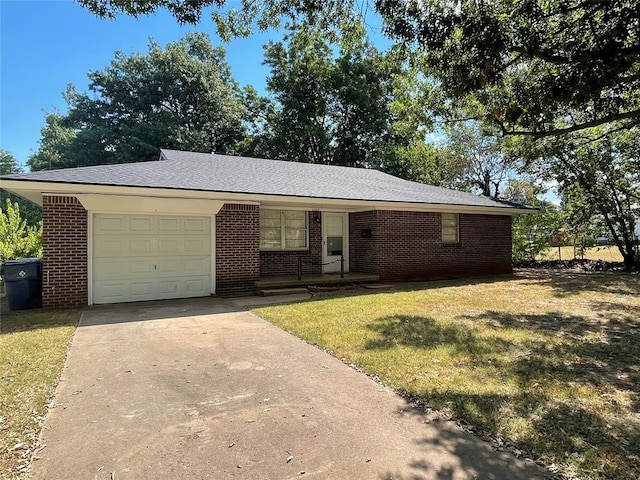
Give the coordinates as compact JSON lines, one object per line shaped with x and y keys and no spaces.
{"x":33,"y":346}
{"x":549,"y":362}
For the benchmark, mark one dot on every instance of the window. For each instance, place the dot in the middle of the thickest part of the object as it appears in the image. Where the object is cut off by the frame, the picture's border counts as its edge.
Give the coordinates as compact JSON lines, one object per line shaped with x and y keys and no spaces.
{"x":450,"y":231}
{"x":283,"y":229}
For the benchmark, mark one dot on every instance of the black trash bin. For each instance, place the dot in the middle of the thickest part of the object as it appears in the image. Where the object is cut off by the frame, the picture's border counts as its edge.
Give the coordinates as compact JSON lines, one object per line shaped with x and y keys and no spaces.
{"x":23,"y":283}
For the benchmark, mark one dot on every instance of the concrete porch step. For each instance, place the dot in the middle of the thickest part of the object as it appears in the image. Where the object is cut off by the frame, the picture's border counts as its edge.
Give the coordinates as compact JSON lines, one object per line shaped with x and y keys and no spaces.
{"x":291,"y":281}
{"x":282,"y":291}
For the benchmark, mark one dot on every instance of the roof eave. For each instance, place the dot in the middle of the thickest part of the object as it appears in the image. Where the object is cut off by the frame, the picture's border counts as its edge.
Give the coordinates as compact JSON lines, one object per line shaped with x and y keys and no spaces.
{"x":33,"y":190}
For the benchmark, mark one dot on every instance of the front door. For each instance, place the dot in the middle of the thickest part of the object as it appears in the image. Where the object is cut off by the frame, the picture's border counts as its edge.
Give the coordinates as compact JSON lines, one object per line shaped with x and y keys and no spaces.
{"x":335,"y":241}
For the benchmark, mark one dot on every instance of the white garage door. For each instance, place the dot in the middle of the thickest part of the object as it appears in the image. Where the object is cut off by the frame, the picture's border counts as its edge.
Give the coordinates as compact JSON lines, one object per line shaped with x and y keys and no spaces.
{"x":150,"y":257}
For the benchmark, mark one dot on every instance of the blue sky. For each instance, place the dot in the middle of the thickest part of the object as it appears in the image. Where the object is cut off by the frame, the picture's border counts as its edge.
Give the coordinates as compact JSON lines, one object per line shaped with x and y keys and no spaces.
{"x":47,"y":44}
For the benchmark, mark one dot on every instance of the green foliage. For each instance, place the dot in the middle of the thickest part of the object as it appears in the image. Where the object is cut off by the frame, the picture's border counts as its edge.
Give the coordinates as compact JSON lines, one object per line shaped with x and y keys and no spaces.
{"x":487,"y":166}
{"x":331,"y":101}
{"x":424,"y":163}
{"x":30,"y":212}
{"x":233,"y":18}
{"x":8,"y":163}
{"x":531,"y":234}
{"x":182,"y":97}
{"x":17,"y":239}
{"x":55,"y":145}
{"x":528,"y":66}
{"x":598,"y":173}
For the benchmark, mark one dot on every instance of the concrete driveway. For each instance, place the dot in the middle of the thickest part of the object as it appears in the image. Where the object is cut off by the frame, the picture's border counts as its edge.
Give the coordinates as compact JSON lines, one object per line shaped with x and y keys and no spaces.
{"x":199,"y":389}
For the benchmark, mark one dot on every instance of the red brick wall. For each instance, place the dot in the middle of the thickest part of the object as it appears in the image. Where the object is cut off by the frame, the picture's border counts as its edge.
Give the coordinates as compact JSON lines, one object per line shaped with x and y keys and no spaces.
{"x":363,"y":254}
{"x":237,"y":248}
{"x":64,"y":266}
{"x":408,"y":245}
{"x":285,"y":262}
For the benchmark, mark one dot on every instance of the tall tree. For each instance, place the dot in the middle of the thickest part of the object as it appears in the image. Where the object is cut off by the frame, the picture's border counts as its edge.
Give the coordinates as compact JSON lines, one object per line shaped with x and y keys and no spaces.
{"x":425,"y":163}
{"x":182,"y":96}
{"x":530,"y":64}
{"x":331,"y":101}
{"x":487,"y":166}
{"x":55,"y":147}
{"x":599,"y":176}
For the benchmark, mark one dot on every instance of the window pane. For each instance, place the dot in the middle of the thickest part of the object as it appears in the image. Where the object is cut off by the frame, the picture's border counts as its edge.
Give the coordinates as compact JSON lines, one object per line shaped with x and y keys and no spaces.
{"x":450,"y":232}
{"x":295,"y":214}
{"x":270,"y":238}
{"x":334,"y":246}
{"x":296,"y":243}
{"x":295,"y":223}
{"x":265,"y":213}
{"x":295,"y":228}
{"x":283,"y":229}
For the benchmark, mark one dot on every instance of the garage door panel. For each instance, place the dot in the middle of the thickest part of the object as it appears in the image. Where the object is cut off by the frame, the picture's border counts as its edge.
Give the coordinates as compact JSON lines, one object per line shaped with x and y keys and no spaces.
{"x":196,"y":265}
{"x":197,"y":246}
{"x":169,"y":225}
{"x":169,"y":266}
{"x":141,"y":288}
{"x":195,"y":225}
{"x":140,"y":267}
{"x":141,"y":224}
{"x":109,"y":247}
{"x":195,"y":285}
{"x":137,"y":258}
{"x":167,"y":287}
{"x":123,"y":245}
{"x":108,"y":223}
{"x":110,"y":292}
{"x":169,"y":246}
{"x":106,"y":268}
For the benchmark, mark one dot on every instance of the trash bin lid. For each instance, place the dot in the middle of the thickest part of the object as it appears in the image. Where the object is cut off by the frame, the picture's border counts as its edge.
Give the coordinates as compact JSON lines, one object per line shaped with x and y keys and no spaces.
{"x":23,"y":261}
{"x":32,"y":264}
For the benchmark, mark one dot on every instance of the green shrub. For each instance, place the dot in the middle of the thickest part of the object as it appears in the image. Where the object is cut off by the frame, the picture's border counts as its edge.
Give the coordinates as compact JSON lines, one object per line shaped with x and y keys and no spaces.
{"x":17,"y":239}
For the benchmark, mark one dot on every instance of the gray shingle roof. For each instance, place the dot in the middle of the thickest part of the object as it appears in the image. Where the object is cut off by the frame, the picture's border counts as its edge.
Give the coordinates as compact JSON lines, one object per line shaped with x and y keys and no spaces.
{"x":230,"y":174}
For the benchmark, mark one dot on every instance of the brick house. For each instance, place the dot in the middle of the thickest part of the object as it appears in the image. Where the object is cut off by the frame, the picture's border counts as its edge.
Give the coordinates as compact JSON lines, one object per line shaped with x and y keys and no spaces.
{"x":194,"y":224}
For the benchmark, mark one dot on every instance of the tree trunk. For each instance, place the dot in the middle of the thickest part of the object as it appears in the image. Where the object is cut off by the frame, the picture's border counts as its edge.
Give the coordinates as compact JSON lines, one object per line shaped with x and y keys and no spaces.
{"x":629,"y":256}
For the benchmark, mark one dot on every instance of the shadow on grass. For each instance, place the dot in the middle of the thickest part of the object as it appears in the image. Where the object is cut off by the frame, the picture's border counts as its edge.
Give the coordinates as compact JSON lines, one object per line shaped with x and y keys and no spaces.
{"x":37,"y":319}
{"x":426,"y":332}
{"x":603,"y":354}
{"x":567,"y":283}
{"x":566,"y":352}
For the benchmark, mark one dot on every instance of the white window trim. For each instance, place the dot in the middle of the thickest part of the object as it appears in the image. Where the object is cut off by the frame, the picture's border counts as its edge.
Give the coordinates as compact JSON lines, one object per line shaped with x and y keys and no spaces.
{"x":448,"y":242}
{"x":282,"y":232}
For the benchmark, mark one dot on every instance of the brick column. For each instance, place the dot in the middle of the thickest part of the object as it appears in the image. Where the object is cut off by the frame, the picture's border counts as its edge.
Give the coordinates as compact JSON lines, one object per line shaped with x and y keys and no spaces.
{"x":64,"y":266}
{"x":237,"y":248}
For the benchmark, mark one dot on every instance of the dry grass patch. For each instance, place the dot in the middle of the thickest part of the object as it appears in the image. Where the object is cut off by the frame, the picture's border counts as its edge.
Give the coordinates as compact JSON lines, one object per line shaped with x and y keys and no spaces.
{"x":605,"y":253}
{"x":547,"y":361}
{"x":33,"y":346}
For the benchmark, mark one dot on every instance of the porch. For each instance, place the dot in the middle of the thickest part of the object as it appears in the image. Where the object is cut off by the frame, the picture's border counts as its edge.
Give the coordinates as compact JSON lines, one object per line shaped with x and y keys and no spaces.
{"x":320,"y":279}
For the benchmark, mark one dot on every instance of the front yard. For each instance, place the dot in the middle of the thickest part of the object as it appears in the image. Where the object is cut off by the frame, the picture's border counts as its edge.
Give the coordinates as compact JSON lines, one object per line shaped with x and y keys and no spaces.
{"x":33,"y":346}
{"x":548,"y":362}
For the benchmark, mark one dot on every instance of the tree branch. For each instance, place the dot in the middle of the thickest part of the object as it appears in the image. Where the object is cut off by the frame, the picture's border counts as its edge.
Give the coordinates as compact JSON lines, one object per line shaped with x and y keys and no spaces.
{"x":573,"y":128}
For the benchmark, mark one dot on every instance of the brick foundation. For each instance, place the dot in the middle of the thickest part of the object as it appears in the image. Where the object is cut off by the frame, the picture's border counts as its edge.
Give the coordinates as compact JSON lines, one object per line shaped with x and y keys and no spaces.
{"x":64,"y":265}
{"x":408,"y":245}
{"x":237,"y":249}
{"x":285,"y":262}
